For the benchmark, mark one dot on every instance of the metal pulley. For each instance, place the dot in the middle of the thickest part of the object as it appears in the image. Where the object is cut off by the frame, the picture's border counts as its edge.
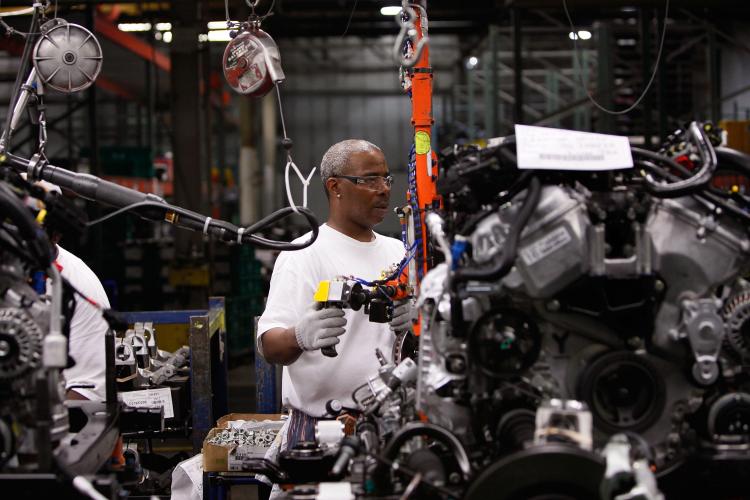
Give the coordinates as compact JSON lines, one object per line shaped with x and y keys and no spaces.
{"x":67,"y":57}
{"x":252,"y":65}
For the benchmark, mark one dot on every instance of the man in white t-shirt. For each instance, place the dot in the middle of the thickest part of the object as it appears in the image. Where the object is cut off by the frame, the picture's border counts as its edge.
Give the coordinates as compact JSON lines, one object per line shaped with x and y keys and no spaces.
{"x":292,"y":331}
{"x":88,"y":328}
{"x":86,"y":342}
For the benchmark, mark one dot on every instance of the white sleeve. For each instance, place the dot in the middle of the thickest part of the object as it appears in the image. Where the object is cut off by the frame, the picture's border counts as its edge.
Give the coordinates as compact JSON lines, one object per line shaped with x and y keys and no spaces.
{"x":87,"y":329}
{"x":291,"y":292}
{"x":88,"y":348}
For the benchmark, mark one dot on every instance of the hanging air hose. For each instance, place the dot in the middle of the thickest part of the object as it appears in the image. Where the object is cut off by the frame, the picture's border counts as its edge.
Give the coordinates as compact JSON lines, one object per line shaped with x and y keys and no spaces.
{"x":96,"y":189}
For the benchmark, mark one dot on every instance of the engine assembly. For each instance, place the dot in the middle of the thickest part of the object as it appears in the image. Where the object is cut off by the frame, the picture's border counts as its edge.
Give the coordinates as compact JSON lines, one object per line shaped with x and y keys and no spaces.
{"x":585,"y":337}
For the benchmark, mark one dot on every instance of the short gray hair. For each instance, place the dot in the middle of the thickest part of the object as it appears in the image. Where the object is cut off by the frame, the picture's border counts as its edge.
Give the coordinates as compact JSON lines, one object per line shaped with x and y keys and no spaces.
{"x":337,"y":157}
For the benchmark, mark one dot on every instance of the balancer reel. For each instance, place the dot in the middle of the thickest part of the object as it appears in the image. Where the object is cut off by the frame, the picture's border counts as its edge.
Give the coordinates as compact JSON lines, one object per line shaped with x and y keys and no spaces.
{"x":252,"y":64}
{"x":67,"y":57}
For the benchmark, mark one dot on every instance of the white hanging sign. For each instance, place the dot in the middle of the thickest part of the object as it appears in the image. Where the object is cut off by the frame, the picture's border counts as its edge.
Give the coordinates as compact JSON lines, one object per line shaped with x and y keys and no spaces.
{"x":545,"y":148}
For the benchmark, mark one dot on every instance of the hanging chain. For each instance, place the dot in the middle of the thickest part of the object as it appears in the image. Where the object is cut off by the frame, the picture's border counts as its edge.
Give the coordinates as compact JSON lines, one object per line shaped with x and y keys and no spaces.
{"x":252,"y":23}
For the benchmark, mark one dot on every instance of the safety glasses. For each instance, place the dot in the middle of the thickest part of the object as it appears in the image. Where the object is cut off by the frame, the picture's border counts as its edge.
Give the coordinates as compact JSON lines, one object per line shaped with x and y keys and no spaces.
{"x":369,"y":181}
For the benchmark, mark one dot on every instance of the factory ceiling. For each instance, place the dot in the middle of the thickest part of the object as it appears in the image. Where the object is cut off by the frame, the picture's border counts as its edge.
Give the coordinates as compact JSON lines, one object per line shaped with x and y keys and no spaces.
{"x":315,"y":18}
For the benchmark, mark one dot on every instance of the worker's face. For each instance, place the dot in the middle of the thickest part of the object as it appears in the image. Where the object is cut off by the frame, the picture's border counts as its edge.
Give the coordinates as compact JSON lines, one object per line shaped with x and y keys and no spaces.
{"x":364,"y":205}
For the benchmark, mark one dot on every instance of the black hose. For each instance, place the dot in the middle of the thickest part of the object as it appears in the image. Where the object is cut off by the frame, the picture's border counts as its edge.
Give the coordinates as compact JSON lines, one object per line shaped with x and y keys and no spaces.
{"x":32,"y":233}
{"x":693,"y":184}
{"x":229,"y":232}
{"x":415,"y":429}
{"x":708,"y":196}
{"x":731,"y":159}
{"x":507,"y":257}
{"x":102,"y":191}
{"x":265,"y":222}
{"x":513,"y":190}
{"x":654,"y":188}
{"x":385,"y":488}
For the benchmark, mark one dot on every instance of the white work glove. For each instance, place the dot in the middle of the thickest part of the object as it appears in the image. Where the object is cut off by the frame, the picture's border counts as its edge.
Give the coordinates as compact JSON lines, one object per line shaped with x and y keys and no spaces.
{"x":404,"y":313}
{"x":319,"y":328}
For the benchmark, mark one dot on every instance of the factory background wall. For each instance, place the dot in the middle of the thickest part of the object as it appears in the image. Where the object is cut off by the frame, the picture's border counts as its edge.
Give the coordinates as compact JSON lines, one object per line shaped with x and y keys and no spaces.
{"x":317,"y":122}
{"x":736,"y":76}
{"x":339,"y":89}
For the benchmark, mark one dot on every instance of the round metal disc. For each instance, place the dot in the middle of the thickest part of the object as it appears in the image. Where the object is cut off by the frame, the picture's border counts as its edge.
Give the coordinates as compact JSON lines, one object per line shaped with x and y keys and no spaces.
{"x":245,"y":66}
{"x":67,"y":57}
{"x":550,"y":471}
{"x":20,"y":344}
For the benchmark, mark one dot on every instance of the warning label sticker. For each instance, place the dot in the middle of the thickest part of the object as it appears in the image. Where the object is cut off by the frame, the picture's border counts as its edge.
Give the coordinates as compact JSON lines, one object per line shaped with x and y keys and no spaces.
{"x":545,"y":246}
{"x":149,"y":398}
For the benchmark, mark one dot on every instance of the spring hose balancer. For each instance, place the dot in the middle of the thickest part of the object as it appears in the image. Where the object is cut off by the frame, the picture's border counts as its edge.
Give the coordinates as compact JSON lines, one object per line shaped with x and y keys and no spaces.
{"x":252,"y":65}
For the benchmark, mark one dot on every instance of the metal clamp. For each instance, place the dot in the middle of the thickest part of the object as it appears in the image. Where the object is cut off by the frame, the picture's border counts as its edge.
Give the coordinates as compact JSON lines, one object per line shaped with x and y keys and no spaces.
{"x":409,"y":31}
{"x":704,"y":328}
{"x":34,"y":169}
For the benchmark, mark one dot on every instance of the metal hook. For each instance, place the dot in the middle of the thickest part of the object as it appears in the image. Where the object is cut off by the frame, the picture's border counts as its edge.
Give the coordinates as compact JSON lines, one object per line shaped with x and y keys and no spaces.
{"x":252,"y":4}
{"x":408,"y":30}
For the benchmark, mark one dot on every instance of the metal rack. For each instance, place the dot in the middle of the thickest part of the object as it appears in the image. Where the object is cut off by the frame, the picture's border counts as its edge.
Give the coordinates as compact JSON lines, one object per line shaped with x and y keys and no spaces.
{"x":208,"y":361}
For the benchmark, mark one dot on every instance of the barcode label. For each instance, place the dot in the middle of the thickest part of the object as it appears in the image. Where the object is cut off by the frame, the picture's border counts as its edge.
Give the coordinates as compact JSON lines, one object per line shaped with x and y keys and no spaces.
{"x":150,"y":397}
{"x":242,"y":453}
{"x":545,"y":246}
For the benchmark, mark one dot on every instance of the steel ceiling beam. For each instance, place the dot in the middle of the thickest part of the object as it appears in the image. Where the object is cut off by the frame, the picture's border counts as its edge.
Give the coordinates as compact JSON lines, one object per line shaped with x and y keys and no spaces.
{"x":132,"y":43}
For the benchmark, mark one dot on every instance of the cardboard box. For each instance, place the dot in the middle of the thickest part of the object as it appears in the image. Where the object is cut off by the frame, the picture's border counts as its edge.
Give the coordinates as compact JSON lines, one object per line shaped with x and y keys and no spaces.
{"x":231,"y":457}
{"x":222,"y":423}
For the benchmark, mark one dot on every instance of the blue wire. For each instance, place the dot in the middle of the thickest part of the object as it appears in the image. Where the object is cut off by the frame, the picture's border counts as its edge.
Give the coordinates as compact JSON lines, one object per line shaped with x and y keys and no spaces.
{"x":412,"y":170}
{"x":405,"y":262}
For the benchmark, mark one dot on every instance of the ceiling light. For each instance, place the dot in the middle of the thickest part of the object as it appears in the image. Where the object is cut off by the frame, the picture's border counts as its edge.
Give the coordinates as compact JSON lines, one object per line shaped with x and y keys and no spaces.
{"x":219,"y":36}
{"x":220,"y":25}
{"x":390,"y":10}
{"x":134,"y":26}
{"x":472,"y":62}
{"x":582,"y":35}
{"x":167,"y":37}
{"x":163,"y":26}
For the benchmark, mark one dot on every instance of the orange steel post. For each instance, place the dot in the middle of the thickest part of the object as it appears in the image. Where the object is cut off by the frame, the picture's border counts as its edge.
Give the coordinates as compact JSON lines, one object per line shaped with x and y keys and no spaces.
{"x":421,"y":119}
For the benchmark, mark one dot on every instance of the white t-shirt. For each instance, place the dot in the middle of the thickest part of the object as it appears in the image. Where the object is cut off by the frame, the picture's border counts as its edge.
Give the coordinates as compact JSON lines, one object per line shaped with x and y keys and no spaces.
{"x":313,"y":379}
{"x":87,"y":328}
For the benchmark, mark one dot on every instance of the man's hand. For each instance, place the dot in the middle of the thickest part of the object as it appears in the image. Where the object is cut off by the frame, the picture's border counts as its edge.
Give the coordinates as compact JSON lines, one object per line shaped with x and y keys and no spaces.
{"x":319,"y":328}
{"x":404,"y":313}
